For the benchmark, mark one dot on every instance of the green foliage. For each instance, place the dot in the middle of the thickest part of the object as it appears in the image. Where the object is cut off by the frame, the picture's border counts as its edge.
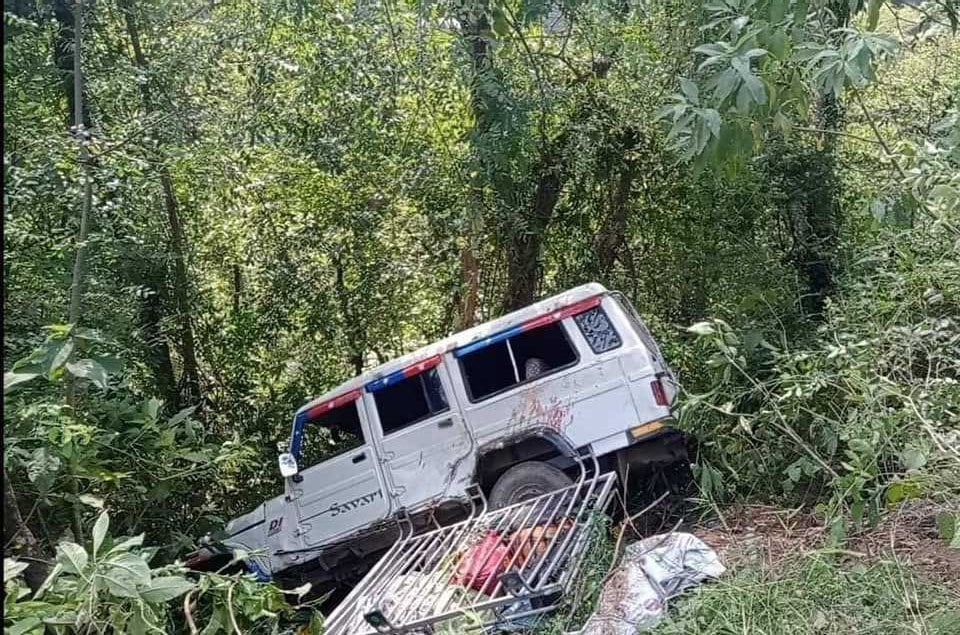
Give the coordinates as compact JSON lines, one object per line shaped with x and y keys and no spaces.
{"x":111,"y":445}
{"x":111,"y":586}
{"x":108,"y":587}
{"x":331,"y":169}
{"x":864,"y":410}
{"x":815,"y":593}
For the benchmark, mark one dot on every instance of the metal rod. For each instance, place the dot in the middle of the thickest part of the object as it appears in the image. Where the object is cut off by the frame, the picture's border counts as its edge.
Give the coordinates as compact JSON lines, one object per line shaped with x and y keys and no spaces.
{"x":435,"y":598}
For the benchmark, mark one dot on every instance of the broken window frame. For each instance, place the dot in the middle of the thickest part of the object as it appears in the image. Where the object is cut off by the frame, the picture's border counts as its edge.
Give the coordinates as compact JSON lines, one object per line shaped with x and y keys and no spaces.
{"x":464,"y":375}
{"x":319,"y":413}
{"x":421,"y":376}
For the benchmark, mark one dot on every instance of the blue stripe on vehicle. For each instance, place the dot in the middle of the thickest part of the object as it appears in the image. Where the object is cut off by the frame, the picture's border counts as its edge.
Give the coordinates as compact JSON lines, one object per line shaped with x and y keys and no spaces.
{"x":487,"y":341}
{"x":383,"y":382}
{"x":297,"y":439}
{"x":254,"y":568}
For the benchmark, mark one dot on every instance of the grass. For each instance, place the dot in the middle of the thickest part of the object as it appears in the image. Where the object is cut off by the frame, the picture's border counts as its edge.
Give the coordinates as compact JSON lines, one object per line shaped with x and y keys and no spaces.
{"x":583,"y":595}
{"x":817,"y":593}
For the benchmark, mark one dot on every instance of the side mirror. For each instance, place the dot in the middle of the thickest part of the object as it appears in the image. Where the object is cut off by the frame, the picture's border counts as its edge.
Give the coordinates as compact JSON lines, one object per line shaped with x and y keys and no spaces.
{"x":288,"y":465}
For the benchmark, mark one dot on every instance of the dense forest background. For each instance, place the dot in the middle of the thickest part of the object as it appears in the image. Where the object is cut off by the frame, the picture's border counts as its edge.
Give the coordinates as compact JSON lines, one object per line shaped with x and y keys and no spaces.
{"x":216,"y":210}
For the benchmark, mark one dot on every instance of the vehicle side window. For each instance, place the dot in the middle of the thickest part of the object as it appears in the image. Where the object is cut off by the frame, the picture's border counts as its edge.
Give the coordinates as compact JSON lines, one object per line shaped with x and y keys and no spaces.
{"x":515,"y":360}
{"x":331,"y":434}
{"x":598,"y":330}
{"x":410,"y":400}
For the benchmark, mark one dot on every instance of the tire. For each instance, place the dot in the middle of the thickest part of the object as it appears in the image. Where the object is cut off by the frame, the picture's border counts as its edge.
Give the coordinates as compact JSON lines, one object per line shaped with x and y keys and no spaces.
{"x":525,"y":481}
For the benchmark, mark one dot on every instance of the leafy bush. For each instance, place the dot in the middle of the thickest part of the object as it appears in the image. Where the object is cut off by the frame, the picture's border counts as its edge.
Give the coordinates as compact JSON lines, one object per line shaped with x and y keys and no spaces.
{"x":108,"y":443}
{"x":867,"y":410}
{"x":112,"y":587}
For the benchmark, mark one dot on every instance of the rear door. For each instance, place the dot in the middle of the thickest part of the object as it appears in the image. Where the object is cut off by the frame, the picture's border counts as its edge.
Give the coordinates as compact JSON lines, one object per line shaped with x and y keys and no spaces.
{"x":426,"y":448}
{"x":339,"y":488}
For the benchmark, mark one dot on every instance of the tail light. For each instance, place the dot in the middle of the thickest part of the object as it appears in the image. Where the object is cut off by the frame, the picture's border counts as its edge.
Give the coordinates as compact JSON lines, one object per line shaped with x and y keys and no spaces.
{"x":659,"y":394}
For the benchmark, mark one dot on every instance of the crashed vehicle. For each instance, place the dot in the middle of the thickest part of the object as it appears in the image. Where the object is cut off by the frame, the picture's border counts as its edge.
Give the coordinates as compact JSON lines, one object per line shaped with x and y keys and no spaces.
{"x":500,"y":410}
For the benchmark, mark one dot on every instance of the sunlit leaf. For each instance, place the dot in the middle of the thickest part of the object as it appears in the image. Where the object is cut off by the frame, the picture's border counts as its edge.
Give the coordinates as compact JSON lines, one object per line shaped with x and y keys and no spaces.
{"x":12,"y":568}
{"x":72,"y":557}
{"x":100,"y":531}
{"x":89,"y":369}
{"x":165,"y":589}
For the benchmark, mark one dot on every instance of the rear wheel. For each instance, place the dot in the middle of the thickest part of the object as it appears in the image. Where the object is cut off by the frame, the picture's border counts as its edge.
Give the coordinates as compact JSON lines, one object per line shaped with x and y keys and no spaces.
{"x":525,"y":481}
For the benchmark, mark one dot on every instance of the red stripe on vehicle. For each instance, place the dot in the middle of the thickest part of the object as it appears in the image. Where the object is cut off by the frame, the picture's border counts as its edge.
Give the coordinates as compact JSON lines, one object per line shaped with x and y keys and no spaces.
{"x":419,"y":367}
{"x":559,"y":314}
{"x":331,"y":404}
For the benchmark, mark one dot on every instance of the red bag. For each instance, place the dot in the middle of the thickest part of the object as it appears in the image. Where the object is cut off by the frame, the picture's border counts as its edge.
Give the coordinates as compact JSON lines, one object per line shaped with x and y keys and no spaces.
{"x":481,"y":565}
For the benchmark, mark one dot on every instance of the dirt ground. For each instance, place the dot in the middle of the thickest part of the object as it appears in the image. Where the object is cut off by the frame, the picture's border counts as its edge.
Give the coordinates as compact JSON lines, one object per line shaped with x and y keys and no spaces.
{"x":760,"y":534}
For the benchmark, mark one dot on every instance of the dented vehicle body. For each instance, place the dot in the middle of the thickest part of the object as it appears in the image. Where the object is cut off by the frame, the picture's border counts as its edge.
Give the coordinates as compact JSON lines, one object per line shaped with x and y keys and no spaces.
{"x":420,"y":435}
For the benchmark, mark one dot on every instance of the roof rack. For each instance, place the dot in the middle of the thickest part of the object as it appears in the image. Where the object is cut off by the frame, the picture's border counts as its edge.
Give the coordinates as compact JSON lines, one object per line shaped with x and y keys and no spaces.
{"x":500,"y":567}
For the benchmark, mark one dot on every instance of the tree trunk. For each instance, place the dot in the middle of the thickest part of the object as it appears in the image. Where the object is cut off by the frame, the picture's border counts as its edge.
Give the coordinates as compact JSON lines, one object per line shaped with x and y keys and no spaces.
{"x":609,"y":239}
{"x":470,"y":278}
{"x":154,"y":338}
{"x":350,"y":329}
{"x":188,"y":354}
{"x":191,"y":371}
{"x":79,"y":264}
{"x":19,"y":540}
{"x":481,"y":65}
{"x":818,"y":227}
{"x":63,"y":42}
{"x":237,"y":289}
{"x":523,"y":251}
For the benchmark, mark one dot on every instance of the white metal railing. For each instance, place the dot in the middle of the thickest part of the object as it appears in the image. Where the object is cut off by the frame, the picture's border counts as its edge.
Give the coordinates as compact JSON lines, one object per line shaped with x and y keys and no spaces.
{"x":423,"y":580}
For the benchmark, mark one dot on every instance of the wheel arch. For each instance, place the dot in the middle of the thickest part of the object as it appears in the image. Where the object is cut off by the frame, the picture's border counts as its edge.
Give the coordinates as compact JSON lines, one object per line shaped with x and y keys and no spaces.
{"x":534,"y":444}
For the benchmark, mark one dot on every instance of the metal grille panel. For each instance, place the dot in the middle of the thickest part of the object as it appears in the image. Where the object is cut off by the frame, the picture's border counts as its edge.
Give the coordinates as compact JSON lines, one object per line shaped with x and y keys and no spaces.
{"x":423,"y":579}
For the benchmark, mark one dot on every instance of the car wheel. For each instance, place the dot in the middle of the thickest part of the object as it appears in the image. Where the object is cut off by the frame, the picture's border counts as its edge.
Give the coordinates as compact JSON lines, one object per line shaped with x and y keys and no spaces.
{"x":525,"y":481}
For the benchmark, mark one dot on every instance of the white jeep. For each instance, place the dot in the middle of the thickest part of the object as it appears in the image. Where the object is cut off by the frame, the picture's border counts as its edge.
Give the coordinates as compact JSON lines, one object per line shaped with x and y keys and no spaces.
{"x":497,"y":409}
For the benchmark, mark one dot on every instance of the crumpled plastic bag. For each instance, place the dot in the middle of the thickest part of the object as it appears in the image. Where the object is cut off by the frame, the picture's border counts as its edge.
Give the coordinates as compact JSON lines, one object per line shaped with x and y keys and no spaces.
{"x":652,"y":571}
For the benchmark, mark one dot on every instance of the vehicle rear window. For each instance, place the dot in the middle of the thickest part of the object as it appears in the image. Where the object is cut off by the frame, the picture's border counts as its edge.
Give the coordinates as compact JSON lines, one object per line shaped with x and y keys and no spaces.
{"x":410,"y":400}
{"x":598,"y":330}
{"x":330,"y":434}
{"x":516,"y":360}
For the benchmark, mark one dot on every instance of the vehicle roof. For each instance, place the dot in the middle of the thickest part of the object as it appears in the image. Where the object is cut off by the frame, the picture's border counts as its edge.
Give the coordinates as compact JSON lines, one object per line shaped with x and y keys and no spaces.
{"x":463,"y":338}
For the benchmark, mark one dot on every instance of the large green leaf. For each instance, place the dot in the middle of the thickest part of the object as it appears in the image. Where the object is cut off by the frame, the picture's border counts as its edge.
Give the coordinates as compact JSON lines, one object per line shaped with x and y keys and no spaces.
{"x":165,"y":589}
{"x":181,"y":416}
{"x":63,"y":351}
{"x":12,"y":568}
{"x":124,"y":574}
{"x":72,"y":557}
{"x":127,"y":544}
{"x":89,"y":369}
{"x":25,"y":625}
{"x":11,"y":379}
{"x":100,"y":531}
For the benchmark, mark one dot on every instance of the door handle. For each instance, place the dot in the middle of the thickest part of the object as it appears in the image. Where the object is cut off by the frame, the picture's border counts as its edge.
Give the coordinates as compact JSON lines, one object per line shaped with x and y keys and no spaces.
{"x":446,"y":423}
{"x":359,"y":457}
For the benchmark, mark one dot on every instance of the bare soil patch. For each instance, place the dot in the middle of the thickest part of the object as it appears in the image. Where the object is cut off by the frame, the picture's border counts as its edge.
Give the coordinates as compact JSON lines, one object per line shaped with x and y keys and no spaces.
{"x":768,"y":536}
